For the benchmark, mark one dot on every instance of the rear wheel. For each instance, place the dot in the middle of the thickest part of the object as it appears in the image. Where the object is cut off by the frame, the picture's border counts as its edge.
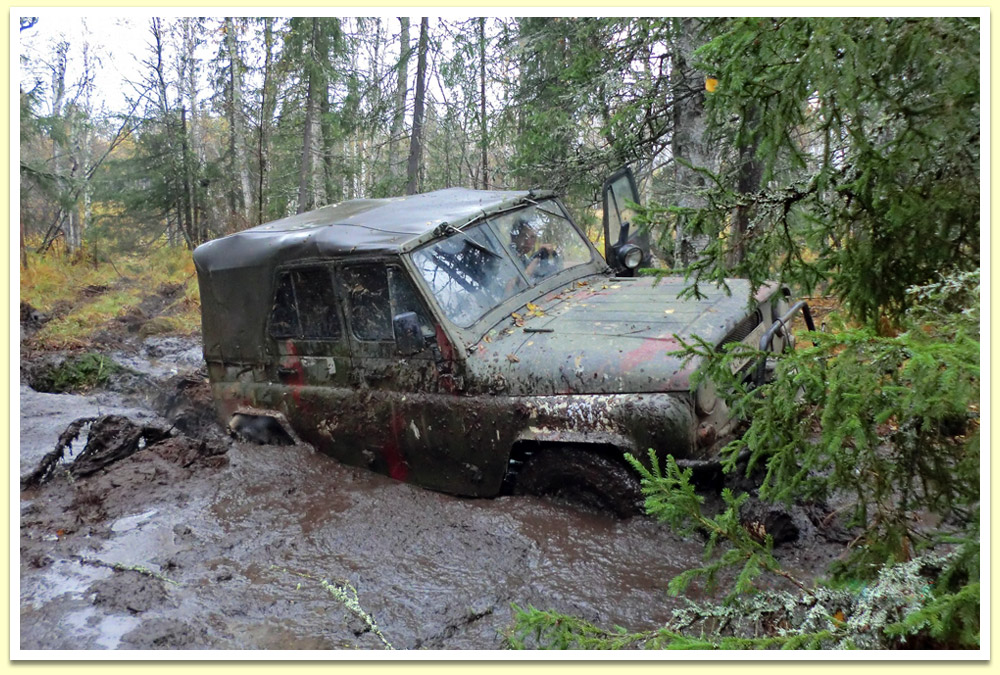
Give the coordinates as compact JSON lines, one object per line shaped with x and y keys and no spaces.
{"x":582,"y":477}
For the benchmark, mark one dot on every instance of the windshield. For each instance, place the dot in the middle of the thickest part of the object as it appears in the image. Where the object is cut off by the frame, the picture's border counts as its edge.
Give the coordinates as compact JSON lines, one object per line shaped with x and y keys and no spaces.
{"x":478,"y":268}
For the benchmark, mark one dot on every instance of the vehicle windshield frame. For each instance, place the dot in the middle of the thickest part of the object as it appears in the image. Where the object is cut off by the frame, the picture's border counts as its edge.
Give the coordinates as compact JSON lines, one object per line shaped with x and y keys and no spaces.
{"x":490,"y":228}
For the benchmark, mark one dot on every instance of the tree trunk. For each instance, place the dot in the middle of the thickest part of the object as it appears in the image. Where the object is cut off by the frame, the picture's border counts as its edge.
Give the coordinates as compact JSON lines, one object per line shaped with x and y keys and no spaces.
{"x":332,"y":190}
{"x":24,"y":250}
{"x":174,"y":167}
{"x":414,"y":164}
{"x":240,"y":194}
{"x":310,"y":154}
{"x":750,"y":172}
{"x":690,"y":150}
{"x":192,"y":155}
{"x":482,"y":103}
{"x":187,"y":203}
{"x":268,"y":104}
{"x":58,"y":148}
{"x":396,"y":132}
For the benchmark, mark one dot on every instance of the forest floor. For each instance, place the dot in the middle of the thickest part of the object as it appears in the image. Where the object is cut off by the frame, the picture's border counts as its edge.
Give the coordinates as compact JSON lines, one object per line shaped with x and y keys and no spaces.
{"x":196,"y":541}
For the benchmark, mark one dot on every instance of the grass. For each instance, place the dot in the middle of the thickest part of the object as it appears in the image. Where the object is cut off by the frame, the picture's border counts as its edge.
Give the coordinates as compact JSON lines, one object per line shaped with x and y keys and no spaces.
{"x":83,"y":293}
{"x":79,"y":374}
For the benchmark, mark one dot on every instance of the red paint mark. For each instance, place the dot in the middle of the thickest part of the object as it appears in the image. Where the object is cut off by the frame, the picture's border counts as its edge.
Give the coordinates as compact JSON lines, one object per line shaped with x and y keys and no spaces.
{"x":446,"y":379}
{"x":650,"y":349}
{"x":392,"y":451}
{"x":447,"y":351}
{"x":297,"y":380}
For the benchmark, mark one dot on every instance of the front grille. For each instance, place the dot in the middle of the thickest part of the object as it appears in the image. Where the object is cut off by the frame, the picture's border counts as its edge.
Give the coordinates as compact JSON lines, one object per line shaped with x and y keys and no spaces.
{"x":742,"y":329}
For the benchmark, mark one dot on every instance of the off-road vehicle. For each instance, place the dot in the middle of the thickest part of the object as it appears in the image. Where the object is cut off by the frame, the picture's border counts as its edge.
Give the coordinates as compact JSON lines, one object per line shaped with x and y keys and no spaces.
{"x":470,"y":342}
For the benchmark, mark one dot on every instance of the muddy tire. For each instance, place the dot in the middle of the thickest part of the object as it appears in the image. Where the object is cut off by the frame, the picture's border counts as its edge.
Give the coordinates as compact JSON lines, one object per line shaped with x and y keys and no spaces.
{"x":582,"y":478}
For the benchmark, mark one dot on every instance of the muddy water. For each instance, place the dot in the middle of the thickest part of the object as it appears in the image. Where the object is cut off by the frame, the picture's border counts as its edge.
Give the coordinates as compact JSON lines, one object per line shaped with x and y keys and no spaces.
{"x":153,"y":554}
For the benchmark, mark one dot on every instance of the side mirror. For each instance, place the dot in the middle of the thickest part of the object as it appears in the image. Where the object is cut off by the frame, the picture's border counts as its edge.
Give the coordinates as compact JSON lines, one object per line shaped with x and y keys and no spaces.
{"x":620,"y":190}
{"x":406,"y":330}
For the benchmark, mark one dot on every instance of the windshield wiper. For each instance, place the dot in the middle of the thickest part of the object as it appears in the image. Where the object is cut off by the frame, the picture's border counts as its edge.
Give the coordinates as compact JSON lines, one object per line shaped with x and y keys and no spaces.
{"x":474,"y":244}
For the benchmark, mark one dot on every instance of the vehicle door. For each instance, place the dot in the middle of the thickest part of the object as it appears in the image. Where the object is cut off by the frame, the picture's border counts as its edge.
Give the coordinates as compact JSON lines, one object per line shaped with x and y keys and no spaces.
{"x":620,"y":193}
{"x":403,"y":412}
{"x":306,"y":329}
{"x":309,"y":367}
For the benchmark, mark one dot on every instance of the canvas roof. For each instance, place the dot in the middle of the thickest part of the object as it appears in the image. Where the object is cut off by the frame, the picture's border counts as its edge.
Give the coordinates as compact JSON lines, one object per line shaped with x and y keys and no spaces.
{"x":235,"y":273}
{"x":360,"y":225}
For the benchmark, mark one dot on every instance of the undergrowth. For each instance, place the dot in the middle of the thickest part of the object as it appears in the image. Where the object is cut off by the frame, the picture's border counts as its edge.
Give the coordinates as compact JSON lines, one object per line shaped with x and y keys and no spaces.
{"x":83,"y":292}
{"x":885,"y":427}
{"x":77,"y":374}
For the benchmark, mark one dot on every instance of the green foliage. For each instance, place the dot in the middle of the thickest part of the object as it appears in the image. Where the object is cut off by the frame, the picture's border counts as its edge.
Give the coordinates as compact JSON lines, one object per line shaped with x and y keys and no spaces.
{"x":671,"y":498}
{"x":77,"y":374}
{"x":574,"y":121}
{"x":901,"y":607}
{"x":886,"y":428}
{"x":887,"y":424}
{"x":867,"y":132}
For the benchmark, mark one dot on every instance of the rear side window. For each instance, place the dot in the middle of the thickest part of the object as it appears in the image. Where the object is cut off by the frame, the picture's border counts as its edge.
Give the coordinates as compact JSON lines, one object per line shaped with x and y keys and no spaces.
{"x":305,"y":306}
{"x":377,"y":293}
{"x":368,"y":295}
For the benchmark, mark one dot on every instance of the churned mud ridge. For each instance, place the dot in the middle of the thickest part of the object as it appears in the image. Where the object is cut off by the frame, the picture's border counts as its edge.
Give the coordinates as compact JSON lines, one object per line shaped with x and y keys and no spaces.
{"x":111,"y":438}
{"x":185,"y":400}
{"x":151,"y":306}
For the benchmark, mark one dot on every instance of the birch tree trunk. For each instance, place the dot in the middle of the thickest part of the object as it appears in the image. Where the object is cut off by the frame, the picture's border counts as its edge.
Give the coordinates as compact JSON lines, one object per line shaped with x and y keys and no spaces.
{"x":58,"y":141}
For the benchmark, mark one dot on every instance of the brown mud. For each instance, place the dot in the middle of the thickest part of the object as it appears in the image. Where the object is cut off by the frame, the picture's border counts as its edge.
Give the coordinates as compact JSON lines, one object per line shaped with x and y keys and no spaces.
{"x":195,"y":541}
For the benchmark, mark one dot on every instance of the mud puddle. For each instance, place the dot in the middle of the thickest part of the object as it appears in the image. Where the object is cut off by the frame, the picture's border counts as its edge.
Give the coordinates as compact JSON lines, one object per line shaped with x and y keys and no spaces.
{"x":152,"y":555}
{"x":266,"y":547}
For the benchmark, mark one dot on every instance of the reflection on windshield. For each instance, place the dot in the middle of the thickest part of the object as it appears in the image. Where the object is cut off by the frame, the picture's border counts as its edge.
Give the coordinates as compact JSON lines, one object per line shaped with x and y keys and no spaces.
{"x":468,"y":274}
{"x":474,"y":270}
{"x":541,"y":240}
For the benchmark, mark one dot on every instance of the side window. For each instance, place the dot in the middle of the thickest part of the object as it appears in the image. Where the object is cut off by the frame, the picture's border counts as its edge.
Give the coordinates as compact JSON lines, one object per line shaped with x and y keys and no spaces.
{"x":368,"y":297}
{"x":377,"y":293}
{"x":305,"y":306}
{"x":405,"y":299}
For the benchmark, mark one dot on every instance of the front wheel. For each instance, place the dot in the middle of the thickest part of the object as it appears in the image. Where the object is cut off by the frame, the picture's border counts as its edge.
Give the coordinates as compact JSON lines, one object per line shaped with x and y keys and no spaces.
{"x":582,"y":477}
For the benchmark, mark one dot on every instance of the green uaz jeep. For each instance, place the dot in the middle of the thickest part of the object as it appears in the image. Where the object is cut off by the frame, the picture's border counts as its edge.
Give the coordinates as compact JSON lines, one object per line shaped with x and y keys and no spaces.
{"x":470,"y":342}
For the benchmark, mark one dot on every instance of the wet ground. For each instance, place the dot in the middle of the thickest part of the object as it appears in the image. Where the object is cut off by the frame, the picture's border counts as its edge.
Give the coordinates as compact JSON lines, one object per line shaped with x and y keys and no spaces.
{"x":198,"y":542}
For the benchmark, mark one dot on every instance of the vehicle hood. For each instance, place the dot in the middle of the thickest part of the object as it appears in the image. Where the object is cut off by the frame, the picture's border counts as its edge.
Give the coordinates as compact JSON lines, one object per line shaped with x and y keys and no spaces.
{"x":606,"y":335}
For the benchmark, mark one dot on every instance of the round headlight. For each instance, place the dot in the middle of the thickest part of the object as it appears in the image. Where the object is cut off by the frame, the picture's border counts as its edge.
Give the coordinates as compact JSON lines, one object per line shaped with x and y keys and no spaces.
{"x":630,"y":256}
